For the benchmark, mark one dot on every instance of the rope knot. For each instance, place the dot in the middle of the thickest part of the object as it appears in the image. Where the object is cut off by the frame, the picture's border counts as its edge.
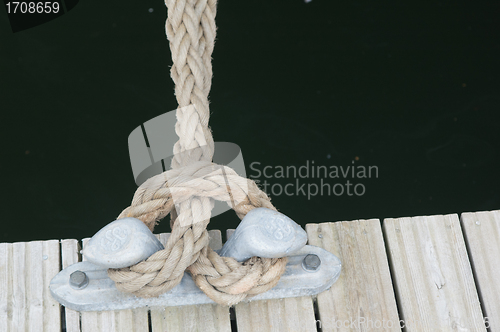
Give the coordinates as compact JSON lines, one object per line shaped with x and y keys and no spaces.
{"x":188,"y":194}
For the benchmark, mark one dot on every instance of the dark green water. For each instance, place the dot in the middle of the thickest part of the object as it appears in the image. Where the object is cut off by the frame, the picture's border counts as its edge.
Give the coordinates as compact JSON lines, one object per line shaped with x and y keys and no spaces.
{"x":412,"y":89}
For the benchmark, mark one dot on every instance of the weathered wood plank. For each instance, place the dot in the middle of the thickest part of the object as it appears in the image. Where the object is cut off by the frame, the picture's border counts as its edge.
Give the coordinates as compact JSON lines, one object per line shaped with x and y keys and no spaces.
{"x":19,"y":317}
{"x":482,"y":235}
{"x":202,"y":318}
{"x":70,"y":250}
{"x":362,"y":299}
{"x":290,"y":314}
{"x":130,"y":320}
{"x":432,"y":274}
{"x":26,"y":269}
{"x":51,"y":261}
{"x":35,"y":285}
{"x":5,"y":285}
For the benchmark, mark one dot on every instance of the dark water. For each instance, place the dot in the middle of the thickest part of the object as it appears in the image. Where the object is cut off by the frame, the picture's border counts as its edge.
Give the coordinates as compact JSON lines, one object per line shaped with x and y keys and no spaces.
{"x":412,"y":89}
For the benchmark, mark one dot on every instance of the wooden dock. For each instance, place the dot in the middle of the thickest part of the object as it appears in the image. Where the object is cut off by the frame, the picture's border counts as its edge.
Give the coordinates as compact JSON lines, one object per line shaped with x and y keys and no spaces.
{"x":432,"y":273}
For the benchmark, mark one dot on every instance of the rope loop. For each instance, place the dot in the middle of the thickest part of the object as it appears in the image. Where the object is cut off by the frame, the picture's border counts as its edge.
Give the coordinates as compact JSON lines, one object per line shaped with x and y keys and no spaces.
{"x":194,"y":187}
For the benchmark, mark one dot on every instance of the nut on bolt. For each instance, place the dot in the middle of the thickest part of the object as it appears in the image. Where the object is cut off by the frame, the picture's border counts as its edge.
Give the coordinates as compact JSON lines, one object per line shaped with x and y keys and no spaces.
{"x":78,"y":280}
{"x":311,"y":263}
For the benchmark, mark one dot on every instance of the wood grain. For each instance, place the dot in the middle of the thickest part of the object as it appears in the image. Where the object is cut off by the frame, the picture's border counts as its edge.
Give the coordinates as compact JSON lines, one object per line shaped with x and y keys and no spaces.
{"x":482,"y":235}
{"x":26,"y":269}
{"x":362,"y":299}
{"x":432,"y":274}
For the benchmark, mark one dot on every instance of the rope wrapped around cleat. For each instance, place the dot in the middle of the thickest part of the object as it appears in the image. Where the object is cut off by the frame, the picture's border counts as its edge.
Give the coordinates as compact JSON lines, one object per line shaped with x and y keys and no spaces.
{"x":187,"y":191}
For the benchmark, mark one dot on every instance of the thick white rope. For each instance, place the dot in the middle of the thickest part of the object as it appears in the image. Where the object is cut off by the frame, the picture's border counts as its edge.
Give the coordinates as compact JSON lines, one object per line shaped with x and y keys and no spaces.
{"x":187,"y":191}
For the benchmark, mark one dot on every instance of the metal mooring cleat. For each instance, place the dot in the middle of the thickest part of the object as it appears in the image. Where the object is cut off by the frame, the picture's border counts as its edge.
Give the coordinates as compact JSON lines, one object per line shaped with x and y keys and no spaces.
{"x":264,"y":233}
{"x":121,"y":243}
{"x":85,"y":286}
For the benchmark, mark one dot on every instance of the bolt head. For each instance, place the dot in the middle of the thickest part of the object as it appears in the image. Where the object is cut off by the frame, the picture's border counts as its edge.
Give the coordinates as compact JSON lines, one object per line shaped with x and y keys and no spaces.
{"x":311,"y":263}
{"x":78,"y":280}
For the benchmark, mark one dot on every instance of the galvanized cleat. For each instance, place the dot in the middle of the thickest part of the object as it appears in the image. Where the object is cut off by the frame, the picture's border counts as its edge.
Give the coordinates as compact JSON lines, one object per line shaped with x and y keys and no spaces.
{"x":264,"y":233}
{"x":309,"y":271}
{"x":121,"y":243}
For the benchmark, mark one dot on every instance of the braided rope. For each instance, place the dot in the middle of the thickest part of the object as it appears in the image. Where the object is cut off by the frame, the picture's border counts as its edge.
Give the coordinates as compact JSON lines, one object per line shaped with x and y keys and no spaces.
{"x":190,"y":28}
{"x":195,"y":182}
